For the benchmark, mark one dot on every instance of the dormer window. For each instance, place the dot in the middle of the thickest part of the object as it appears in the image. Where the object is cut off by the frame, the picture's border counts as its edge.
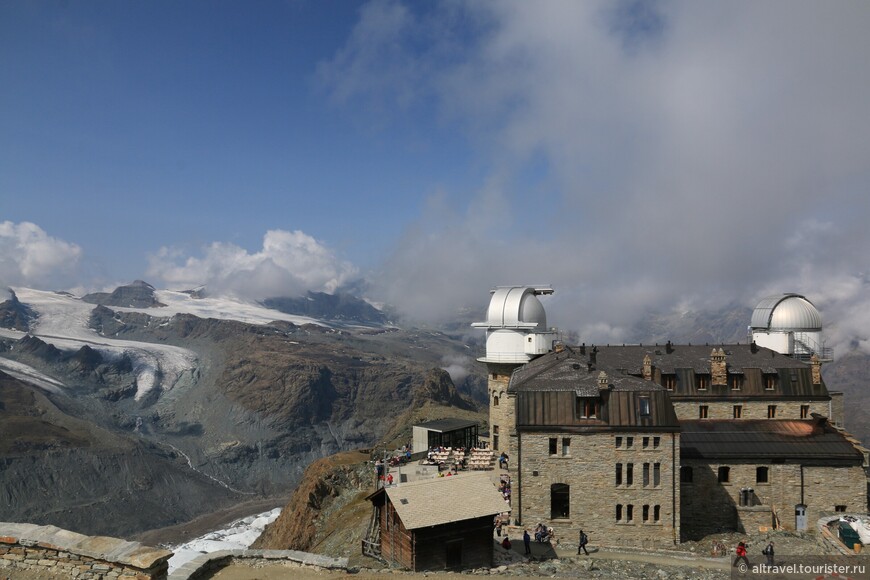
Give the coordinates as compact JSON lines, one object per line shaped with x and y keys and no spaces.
{"x":703,"y":382}
{"x":769,"y":382}
{"x":736,"y":382}
{"x":587,"y":407}
{"x":669,"y":382}
{"x":643,"y":406}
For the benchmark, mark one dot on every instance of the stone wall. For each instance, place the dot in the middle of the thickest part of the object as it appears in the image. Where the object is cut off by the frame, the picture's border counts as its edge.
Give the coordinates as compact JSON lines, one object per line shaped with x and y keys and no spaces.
{"x":502,"y":417}
{"x":589,"y":469}
{"x":56,"y":551}
{"x":710,"y":506}
{"x":688,"y":410}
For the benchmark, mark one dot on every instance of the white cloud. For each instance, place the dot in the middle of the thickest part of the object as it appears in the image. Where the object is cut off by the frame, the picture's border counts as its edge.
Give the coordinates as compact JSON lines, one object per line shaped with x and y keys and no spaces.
{"x":639,"y":153}
{"x":288,"y":264}
{"x":30,"y":257}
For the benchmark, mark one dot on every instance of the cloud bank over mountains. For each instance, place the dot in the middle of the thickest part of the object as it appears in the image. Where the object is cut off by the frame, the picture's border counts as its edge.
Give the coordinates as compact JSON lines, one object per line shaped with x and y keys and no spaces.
{"x":639,"y":156}
{"x":31,"y":257}
{"x":288,"y":264}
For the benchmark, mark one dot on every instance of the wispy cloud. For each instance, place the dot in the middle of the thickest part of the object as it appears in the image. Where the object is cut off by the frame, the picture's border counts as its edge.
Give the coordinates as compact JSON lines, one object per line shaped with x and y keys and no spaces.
{"x":639,"y":155}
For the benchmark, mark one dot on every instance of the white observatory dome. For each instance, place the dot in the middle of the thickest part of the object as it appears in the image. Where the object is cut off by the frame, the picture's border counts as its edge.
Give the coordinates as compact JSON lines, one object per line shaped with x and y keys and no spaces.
{"x":786,"y":312}
{"x":516,"y":307}
{"x":516,"y":325}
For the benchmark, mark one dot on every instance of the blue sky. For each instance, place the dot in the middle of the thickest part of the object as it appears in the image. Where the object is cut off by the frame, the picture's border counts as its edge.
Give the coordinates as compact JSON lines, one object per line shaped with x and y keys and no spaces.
{"x":639,"y":156}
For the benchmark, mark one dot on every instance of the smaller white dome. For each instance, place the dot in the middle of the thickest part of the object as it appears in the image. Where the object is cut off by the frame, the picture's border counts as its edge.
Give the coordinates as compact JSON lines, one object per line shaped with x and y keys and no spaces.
{"x":786,"y":312}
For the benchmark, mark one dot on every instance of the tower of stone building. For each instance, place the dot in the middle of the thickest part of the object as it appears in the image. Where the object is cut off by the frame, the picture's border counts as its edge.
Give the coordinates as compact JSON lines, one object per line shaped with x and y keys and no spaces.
{"x":516,"y":332}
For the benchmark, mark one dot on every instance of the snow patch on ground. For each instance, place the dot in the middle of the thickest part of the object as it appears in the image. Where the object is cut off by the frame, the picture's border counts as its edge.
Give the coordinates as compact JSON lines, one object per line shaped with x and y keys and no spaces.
{"x":239,"y":535}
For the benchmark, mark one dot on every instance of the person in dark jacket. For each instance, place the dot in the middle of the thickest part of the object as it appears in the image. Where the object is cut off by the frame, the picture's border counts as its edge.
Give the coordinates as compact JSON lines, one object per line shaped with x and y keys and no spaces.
{"x":527,"y":540}
{"x":768,"y":552}
{"x":581,"y":544}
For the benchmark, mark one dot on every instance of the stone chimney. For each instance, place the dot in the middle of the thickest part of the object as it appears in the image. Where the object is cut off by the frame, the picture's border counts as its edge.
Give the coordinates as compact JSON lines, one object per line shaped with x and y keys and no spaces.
{"x":602,"y":381}
{"x":647,"y":367}
{"x":817,"y":369}
{"x":559,"y":347}
{"x":718,"y":369}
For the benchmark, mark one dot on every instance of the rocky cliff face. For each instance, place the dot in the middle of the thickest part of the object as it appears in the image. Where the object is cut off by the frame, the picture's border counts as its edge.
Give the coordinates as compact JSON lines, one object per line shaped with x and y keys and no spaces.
{"x":139,"y":294}
{"x":262,"y":403}
{"x":14,"y":314}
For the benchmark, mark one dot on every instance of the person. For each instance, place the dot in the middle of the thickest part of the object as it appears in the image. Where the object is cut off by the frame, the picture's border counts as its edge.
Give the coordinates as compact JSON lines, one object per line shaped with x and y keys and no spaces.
{"x":498,"y":525}
{"x":741,"y":554}
{"x":389,"y":479}
{"x":503,"y":460}
{"x":527,"y":541}
{"x":538,"y":533}
{"x":584,"y":539}
{"x":768,"y":552}
{"x":506,"y":543}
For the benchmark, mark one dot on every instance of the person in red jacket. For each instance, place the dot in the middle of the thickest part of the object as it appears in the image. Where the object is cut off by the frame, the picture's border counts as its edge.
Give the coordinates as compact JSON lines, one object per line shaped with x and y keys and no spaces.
{"x":741,"y":553}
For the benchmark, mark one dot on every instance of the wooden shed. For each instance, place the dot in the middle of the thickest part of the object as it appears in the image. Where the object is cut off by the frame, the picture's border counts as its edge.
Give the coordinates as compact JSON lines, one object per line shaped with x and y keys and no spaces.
{"x":443,"y":523}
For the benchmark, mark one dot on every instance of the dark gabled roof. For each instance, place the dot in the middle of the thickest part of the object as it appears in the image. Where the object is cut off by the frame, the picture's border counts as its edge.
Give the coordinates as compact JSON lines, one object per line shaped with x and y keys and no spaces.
{"x":668,"y":357}
{"x":569,"y":370}
{"x":445,"y":425}
{"x":809,"y":441}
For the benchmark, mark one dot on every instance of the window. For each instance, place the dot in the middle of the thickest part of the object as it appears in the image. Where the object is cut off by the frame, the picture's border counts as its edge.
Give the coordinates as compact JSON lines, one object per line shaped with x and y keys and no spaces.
{"x":618,"y":474}
{"x":495,"y":400}
{"x":702,"y":412}
{"x":495,"y":375}
{"x":618,"y":442}
{"x":629,"y":442}
{"x":645,"y":513}
{"x":629,"y":473}
{"x":656,"y":442}
{"x":738,"y":411}
{"x":761,"y":474}
{"x":560,"y":500}
{"x":805,"y":411}
{"x":646,"y":474}
{"x":657,"y":513}
{"x":771,"y":411}
{"x":736,"y":382}
{"x":619,"y":512}
{"x":686,"y":474}
{"x":587,"y":407}
{"x":629,"y":512}
{"x":839,"y":508}
{"x":724,"y":474}
{"x":566,"y":446}
{"x":495,"y":442}
{"x":669,"y":381}
{"x":769,"y":382}
{"x":554,"y":445}
{"x":643,"y":406}
{"x":495,"y":429}
{"x":645,"y":442}
{"x":657,"y":474}
{"x":703,"y":382}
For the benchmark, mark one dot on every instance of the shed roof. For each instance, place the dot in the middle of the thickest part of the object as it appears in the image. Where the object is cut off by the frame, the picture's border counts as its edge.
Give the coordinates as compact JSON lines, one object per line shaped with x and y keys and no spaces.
{"x":444,"y":500}
{"x":807,"y":440}
{"x":444,"y":425}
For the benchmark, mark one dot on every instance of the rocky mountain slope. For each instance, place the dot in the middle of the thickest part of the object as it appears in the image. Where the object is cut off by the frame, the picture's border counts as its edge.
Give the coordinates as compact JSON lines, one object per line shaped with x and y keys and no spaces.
{"x":256,"y":405}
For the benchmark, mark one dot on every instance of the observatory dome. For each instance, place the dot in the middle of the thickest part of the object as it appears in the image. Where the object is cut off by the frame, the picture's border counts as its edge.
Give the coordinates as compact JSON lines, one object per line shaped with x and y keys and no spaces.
{"x":786,"y":312}
{"x":516,"y":307}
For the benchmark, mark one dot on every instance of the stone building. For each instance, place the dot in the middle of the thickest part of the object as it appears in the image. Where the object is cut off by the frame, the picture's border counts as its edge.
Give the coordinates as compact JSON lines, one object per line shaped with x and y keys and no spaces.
{"x":651,"y":444}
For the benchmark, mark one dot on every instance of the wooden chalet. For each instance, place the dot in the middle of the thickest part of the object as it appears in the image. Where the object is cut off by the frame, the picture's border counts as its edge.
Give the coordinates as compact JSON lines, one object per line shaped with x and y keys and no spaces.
{"x":443,"y":523}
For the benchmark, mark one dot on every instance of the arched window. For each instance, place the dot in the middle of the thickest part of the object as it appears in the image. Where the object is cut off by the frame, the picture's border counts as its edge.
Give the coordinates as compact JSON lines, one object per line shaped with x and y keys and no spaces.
{"x":761,"y":475}
{"x":560,"y":501}
{"x":724,"y":474}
